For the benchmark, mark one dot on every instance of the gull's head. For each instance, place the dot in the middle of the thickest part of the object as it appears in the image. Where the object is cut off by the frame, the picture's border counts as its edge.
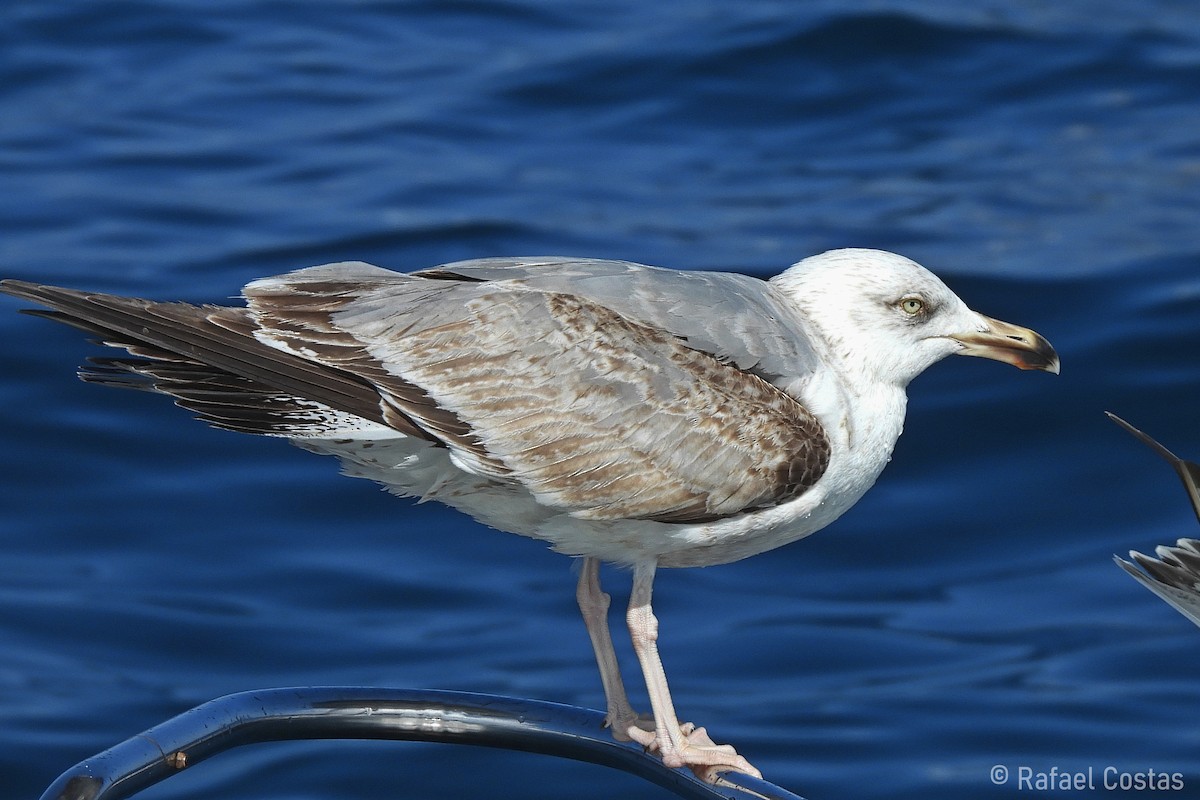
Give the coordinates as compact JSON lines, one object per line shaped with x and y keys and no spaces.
{"x":891,"y":318}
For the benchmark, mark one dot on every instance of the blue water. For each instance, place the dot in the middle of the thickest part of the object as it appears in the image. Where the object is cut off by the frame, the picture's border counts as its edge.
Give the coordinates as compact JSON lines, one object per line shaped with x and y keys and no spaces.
{"x":1043,"y":158}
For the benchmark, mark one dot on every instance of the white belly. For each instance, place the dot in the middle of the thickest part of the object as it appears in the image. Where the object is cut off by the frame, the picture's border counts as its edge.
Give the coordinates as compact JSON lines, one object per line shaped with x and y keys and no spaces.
{"x":414,"y":468}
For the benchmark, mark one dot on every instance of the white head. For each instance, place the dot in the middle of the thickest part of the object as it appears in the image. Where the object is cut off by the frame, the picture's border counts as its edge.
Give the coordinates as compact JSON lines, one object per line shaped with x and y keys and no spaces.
{"x":890,"y":318}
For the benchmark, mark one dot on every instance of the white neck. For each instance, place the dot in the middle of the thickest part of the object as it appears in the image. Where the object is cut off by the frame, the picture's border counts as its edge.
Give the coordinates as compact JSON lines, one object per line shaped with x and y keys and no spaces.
{"x":862,"y":433}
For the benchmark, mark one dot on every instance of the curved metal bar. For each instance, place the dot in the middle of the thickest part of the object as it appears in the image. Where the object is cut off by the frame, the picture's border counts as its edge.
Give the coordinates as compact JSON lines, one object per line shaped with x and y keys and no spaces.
{"x":327,"y":712}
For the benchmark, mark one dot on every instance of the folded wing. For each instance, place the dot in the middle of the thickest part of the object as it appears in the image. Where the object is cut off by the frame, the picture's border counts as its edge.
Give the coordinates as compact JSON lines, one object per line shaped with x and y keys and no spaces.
{"x":595,"y":411}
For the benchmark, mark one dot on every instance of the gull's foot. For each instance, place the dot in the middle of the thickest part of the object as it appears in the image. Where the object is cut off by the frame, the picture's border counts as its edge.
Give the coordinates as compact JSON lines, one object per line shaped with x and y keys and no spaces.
{"x":696,"y":751}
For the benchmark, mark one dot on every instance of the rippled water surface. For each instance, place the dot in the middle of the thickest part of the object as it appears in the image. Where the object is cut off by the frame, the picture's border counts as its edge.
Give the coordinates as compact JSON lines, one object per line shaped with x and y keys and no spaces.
{"x":1043,"y":158}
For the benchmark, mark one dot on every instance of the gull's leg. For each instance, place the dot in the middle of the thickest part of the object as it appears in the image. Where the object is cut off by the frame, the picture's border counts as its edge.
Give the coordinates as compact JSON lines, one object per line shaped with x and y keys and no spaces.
{"x":686,"y":746}
{"x":593,"y":603}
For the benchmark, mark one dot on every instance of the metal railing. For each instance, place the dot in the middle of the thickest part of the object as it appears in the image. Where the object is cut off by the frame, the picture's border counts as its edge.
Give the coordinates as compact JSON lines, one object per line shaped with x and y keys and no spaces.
{"x":326,"y":712}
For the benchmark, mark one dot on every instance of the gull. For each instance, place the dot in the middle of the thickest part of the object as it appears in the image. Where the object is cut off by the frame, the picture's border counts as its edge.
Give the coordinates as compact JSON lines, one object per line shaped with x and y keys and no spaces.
{"x":628,"y":414}
{"x":1175,"y":574}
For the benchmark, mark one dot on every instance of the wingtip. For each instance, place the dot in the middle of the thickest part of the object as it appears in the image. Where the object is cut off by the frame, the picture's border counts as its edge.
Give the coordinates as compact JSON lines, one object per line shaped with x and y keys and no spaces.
{"x":1130,"y":567}
{"x":41,"y":293}
{"x":1122,"y":423}
{"x":1145,"y":439}
{"x":26,"y":290}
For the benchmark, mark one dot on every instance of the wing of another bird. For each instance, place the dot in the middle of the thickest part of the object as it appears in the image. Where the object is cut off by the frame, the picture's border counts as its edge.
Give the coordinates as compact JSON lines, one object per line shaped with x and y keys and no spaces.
{"x":589,"y":408}
{"x":1174,"y":575}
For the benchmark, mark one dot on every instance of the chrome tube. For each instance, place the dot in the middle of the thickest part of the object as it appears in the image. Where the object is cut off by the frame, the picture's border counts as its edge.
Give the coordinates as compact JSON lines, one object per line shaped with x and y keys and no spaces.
{"x":325,"y":712}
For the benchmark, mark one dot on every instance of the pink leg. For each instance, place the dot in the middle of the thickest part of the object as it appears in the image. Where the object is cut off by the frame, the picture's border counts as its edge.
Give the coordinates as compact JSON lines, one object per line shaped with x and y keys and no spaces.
{"x":593,"y":603}
{"x":679,"y":746}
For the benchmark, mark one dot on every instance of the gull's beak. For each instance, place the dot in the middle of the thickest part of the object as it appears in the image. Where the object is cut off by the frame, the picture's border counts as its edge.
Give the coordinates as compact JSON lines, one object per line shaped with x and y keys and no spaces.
{"x":1011,"y":344}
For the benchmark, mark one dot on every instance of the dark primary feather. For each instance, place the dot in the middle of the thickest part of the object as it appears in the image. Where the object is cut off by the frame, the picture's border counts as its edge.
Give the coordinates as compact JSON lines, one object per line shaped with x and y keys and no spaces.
{"x":219,"y":398}
{"x":201,"y":335}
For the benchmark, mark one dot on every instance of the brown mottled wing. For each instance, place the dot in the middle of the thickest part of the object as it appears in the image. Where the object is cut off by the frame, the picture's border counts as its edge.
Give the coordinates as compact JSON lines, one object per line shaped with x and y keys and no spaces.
{"x":595,"y":414}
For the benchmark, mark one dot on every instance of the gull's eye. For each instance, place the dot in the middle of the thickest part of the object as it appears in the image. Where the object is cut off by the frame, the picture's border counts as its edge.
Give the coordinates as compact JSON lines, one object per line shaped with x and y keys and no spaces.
{"x":913,"y":306}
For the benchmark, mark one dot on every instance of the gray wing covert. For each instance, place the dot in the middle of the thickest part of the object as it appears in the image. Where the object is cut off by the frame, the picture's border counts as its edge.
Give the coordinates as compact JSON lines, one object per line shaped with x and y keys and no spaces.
{"x":738,"y":318}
